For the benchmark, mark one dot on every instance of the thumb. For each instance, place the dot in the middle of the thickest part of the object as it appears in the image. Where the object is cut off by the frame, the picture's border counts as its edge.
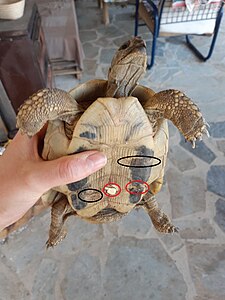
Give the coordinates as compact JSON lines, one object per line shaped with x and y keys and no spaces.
{"x":69,"y":169}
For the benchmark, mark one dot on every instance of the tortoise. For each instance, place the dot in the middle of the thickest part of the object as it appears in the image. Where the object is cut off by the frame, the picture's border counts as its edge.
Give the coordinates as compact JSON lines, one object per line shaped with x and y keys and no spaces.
{"x":124,"y":120}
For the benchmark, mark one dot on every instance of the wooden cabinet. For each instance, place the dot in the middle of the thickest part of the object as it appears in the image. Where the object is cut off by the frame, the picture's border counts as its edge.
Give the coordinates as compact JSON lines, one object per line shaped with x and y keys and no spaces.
{"x":24,"y":62}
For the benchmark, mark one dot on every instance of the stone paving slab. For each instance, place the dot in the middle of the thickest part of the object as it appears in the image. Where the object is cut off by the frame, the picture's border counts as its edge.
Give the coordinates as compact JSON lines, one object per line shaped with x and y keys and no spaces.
{"x":129,"y":259}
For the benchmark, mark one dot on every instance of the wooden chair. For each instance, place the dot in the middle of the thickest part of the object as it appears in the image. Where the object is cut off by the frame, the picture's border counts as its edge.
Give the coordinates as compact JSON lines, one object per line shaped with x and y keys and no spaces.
{"x":163,"y":19}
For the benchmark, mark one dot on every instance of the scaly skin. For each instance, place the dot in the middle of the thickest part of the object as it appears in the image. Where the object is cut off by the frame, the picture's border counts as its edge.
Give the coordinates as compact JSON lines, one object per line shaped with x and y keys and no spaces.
{"x":43,"y":106}
{"x":60,"y":212}
{"x":159,"y":219}
{"x":177,"y":107}
{"x":128,"y":65}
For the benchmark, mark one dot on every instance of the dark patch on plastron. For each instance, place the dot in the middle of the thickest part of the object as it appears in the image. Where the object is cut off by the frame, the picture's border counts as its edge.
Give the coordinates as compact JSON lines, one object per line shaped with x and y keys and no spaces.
{"x":79,"y":150}
{"x":133,"y":130}
{"x":78,"y":185}
{"x":134,"y":198}
{"x":77,"y":203}
{"x":141,"y":173}
{"x":88,"y":135}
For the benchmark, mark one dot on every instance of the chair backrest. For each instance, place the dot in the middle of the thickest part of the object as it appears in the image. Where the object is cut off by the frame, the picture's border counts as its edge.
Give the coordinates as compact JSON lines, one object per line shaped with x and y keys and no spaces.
{"x":176,"y":18}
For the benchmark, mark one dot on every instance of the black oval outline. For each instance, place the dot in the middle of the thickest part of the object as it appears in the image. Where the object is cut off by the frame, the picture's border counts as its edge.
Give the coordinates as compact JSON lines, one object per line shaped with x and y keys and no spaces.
{"x":132,"y":156}
{"x":88,"y":200}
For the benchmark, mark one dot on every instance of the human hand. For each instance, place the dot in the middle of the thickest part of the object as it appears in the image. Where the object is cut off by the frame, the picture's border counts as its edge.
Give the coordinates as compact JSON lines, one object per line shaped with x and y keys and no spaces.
{"x":25,"y":176}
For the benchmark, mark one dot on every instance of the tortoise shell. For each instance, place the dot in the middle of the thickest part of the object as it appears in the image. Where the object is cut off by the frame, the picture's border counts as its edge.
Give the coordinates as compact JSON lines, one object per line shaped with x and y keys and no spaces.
{"x":120,"y":128}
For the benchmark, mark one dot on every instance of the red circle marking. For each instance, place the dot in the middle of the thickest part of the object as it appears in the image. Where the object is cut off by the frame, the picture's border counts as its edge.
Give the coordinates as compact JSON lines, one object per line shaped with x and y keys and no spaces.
{"x":138,"y":193}
{"x":111,"y":183}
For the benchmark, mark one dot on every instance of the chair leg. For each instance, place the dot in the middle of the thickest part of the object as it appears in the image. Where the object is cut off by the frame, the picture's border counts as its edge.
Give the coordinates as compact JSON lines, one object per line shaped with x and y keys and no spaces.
{"x":105,"y":13}
{"x":100,"y":4}
{"x":136,"y":19}
{"x":149,"y":65}
{"x":216,"y":30}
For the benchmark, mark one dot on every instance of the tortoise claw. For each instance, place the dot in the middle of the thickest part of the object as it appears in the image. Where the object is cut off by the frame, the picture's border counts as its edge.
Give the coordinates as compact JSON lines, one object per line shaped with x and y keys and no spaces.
{"x":197,"y":134}
{"x":176,"y":229}
{"x":173,"y":229}
{"x":193,"y":142}
{"x":206,"y":123}
{"x":51,"y":244}
{"x":170,"y":228}
{"x":205,"y":131}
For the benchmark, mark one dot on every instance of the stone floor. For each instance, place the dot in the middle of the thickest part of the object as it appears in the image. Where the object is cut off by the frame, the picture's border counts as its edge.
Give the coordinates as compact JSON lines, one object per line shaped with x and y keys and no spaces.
{"x":129,"y":259}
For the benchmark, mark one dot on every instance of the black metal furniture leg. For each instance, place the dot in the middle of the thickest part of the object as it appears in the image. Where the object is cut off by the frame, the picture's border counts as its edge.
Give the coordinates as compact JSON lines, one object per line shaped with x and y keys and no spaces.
{"x":216,"y":30}
{"x":136,"y":19}
{"x":149,"y":65}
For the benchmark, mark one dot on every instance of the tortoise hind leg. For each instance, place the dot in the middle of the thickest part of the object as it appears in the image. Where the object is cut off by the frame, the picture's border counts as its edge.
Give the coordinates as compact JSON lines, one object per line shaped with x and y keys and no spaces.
{"x":61,"y":210}
{"x":159,"y":219}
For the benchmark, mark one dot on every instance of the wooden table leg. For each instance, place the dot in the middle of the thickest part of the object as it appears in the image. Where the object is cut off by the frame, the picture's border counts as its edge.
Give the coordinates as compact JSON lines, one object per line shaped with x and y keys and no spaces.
{"x":105,"y":13}
{"x":100,"y":3}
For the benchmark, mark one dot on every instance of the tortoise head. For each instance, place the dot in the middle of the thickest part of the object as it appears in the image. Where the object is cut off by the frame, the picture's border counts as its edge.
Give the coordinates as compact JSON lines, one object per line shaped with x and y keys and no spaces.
{"x":127,"y":66}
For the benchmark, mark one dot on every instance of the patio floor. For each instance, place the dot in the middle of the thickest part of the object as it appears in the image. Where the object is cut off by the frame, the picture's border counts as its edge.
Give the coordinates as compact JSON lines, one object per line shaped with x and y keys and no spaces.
{"x":128,"y":259}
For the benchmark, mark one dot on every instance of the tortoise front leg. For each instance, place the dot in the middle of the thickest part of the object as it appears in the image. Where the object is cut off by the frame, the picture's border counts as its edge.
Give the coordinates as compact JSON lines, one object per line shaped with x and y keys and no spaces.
{"x":61,"y":210}
{"x":177,"y":107}
{"x":45,"y":105}
{"x":159,"y":219}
